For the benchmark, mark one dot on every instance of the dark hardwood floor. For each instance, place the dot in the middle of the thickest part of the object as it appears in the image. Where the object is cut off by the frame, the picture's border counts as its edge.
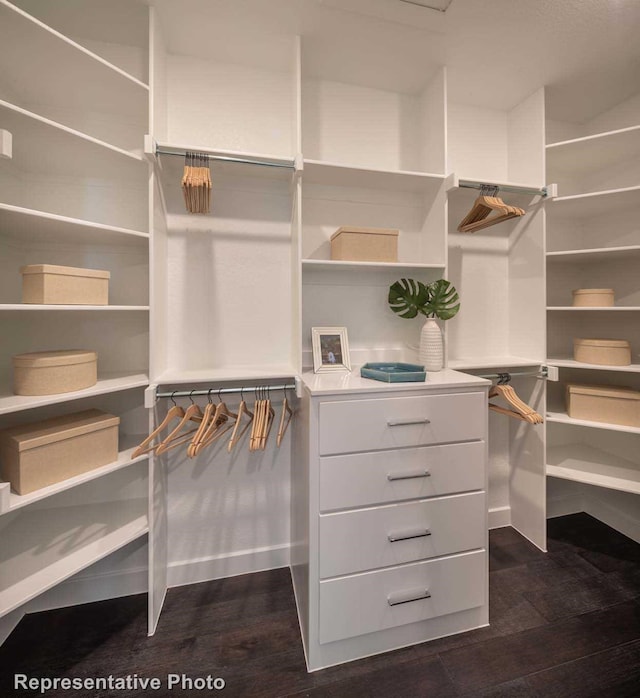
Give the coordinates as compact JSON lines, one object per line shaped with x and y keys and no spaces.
{"x":565,"y":623}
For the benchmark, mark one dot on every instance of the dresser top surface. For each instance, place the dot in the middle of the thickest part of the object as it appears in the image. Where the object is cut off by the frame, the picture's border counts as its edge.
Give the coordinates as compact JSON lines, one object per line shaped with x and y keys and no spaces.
{"x":335,"y":383}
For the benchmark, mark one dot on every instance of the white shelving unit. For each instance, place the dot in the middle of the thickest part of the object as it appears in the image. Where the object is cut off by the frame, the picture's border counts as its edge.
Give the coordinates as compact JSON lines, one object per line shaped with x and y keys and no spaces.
{"x":47,"y":68}
{"x":23,"y":224}
{"x":19,"y":307}
{"x":593,"y":242}
{"x":17,"y":501}
{"x":592,"y":466}
{"x":75,"y":192}
{"x":106,"y":384}
{"x":563,"y":418}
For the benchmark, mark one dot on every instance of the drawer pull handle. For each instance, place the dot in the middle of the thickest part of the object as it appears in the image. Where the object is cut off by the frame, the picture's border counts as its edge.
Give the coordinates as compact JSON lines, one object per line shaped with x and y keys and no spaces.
{"x":408,"y":535}
{"x":405,"y":422}
{"x":408,"y":475}
{"x":408,"y":596}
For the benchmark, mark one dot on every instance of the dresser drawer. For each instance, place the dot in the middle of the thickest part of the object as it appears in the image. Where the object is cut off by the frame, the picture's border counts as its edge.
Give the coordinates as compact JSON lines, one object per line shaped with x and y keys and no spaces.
{"x":369,"y":425}
{"x":365,"y":603}
{"x":362,"y":479}
{"x":355,"y":541}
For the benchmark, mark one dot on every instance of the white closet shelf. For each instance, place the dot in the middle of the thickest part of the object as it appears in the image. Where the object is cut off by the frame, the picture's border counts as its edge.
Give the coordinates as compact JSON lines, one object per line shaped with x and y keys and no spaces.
{"x":41,"y":145}
{"x":78,"y":308}
{"x":48,"y":68}
{"x":339,"y":175}
{"x":59,"y":542}
{"x":41,"y":226}
{"x":595,"y":204}
{"x":576,"y":158}
{"x":570,"y":363}
{"x":582,"y":463}
{"x":505,"y":362}
{"x":615,"y":308}
{"x":107,"y":383}
{"x":232,"y":373}
{"x":354,"y":266}
{"x":563,"y":418}
{"x":127,"y":446}
{"x":594,"y":255}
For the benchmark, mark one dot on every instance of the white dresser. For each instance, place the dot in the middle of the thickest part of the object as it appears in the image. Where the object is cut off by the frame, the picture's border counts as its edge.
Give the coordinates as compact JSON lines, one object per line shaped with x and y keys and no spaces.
{"x":389,"y":520}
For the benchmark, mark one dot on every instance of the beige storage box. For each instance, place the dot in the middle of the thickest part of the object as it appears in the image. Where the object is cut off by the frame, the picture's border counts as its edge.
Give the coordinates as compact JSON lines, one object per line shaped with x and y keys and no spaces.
{"x":51,"y":372}
{"x":593,"y":297}
{"x":365,"y":245}
{"x":42,"y":453}
{"x":604,"y":403}
{"x":604,"y":352}
{"x":53,"y":285}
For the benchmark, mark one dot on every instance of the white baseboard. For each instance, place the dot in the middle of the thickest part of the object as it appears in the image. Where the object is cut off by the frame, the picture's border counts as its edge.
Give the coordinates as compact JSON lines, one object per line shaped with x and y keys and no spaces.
{"x":230,"y":565}
{"x":9,"y":622}
{"x":499,"y":517}
{"x":562,"y":506}
{"x":89,"y":588}
{"x":621,"y":521}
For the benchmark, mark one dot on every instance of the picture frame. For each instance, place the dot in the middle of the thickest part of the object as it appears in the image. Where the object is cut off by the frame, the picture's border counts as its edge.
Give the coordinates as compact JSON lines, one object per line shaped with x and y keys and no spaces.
{"x":330,"y":349}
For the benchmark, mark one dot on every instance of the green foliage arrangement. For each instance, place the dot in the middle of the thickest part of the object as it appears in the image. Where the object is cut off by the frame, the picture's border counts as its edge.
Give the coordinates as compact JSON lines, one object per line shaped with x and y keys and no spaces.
{"x":439,"y":299}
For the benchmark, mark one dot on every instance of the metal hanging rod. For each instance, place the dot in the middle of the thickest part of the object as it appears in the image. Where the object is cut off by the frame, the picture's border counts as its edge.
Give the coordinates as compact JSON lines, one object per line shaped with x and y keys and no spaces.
{"x":505,"y":376}
{"x":214,"y":392}
{"x":227,"y":158}
{"x":512,"y":189}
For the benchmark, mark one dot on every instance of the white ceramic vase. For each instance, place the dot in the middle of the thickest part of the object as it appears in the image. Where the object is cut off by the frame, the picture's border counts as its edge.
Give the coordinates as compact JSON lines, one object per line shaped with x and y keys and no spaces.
{"x":431,"y":346}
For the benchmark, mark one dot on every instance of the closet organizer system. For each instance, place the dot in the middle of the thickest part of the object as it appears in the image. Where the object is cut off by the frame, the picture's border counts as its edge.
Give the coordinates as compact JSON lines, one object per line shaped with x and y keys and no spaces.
{"x":226,"y":300}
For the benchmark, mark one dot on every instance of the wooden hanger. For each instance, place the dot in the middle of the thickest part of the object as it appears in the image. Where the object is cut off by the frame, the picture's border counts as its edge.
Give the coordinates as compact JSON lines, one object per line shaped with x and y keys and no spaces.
{"x":256,"y":427}
{"x":285,"y":418}
{"x":175,"y":412}
{"x":521,"y":410}
{"x":177,"y":437}
{"x":477,"y":218}
{"x":208,"y":415}
{"x":218,"y":425}
{"x":242,"y":410}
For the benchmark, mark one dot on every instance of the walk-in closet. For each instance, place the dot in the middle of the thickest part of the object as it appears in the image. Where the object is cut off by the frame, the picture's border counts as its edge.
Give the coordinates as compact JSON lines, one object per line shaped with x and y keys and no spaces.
{"x":198,"y":386}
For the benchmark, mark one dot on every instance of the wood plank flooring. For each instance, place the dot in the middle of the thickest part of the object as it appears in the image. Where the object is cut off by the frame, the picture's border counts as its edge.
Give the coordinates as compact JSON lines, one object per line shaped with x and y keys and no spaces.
{"x":563,"y":624}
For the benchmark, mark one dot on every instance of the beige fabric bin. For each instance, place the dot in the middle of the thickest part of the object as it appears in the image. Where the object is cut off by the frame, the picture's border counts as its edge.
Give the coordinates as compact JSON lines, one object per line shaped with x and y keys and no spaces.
{"x":604,"y":403}
{"x":42,"y":453}
{"x":52,"y":372}
{"x":54,"y":285}
{"x":593,"y":297}
{"x":365,"y":244}
{"x":603,"y":352}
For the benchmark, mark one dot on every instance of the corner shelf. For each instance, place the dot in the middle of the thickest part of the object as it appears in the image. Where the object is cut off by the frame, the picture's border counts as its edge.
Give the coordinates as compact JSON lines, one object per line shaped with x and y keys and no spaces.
{"x":107,"y":383}
{"x":127,"y":446}
{"x":563,"y":418}
{"x":68,"y":540}
{"x":592,"y":466}
{"x":30,"y":46}
{"x":30,"y":224}
{"x":577,"y":156}
{"x":597,"y":203}
{"x":614,"y":308}
{"x":594,"y":255}
{"x":570,"y":363}
{"x":74,"y":308}
{"x":41,"y":144}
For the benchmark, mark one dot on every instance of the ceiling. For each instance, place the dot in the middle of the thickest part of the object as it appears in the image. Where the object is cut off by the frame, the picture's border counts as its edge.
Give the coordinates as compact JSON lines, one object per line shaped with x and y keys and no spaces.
{"x":497,"y":52}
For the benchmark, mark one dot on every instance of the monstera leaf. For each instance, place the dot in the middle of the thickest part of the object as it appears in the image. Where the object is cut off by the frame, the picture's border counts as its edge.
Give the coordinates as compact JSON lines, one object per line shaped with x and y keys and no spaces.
{"x":407,"y":297}
{"x":444,"y":301}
